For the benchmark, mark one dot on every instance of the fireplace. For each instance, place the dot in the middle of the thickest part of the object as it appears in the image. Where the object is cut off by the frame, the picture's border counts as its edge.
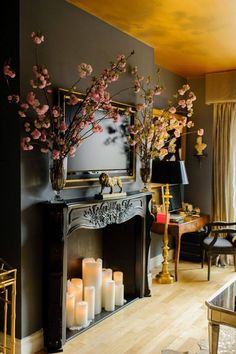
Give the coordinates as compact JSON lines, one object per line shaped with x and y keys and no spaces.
{"x":115,"y":230}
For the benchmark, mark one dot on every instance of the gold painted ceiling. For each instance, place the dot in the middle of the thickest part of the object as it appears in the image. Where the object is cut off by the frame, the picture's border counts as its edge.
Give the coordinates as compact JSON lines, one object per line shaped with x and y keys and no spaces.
{"x":190,"y":37}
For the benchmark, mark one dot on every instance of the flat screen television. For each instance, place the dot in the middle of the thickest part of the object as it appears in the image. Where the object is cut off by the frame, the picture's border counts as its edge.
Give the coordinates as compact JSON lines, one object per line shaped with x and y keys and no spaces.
{"x":107,"y":151}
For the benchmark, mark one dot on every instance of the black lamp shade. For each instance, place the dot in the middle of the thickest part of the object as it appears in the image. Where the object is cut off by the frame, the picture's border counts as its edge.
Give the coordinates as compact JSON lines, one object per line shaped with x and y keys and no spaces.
{"x":169,"y":172}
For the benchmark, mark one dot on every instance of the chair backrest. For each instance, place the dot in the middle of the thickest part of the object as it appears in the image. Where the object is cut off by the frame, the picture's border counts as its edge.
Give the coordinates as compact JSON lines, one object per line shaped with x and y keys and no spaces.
{"x":221,"y":227}
{"x":215,"y":245}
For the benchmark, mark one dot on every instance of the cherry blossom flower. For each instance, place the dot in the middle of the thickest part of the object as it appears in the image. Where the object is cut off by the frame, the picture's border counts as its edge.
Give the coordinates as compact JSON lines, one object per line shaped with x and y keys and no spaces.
{"x":84,"y":70}
{"x":35,"y":134}
{"x":156,"y":134}
{"x":37,"y":37}
{"x":200,"y":132}
{"x":8,"y":71}
{"x":172,"y":110}
{"x":13,"y":98}
{"x":44,"y":123}
{"x":25,"y":144}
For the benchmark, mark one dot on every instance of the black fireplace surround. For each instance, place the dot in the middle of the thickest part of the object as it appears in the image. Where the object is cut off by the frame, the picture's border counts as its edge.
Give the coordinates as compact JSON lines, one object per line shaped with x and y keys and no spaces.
{"x":124,"y":224}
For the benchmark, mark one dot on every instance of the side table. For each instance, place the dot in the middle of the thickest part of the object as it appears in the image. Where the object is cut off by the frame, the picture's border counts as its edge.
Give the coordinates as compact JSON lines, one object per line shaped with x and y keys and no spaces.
{"x":194,"y":223}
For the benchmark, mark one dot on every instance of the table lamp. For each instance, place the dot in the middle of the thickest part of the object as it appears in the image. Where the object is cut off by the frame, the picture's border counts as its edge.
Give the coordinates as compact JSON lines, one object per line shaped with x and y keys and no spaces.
{"x":167,"y":172}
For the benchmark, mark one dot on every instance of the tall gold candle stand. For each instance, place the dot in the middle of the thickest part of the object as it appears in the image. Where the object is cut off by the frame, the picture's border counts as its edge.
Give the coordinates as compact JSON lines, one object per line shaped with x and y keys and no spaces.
{"x":167,"y":172}
{"x":164,"y":277}
{"x":8,"y":287}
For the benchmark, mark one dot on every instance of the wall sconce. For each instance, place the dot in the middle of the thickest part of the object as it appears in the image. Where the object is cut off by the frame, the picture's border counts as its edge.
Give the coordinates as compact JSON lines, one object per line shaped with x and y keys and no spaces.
{"x":200,"y":146}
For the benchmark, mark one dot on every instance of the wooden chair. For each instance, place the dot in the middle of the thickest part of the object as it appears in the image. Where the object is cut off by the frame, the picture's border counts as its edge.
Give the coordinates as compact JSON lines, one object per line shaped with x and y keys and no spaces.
{"x":220,"y":239}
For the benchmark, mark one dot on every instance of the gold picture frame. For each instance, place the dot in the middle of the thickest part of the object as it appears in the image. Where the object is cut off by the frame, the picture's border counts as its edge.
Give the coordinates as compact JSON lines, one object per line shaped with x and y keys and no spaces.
{"x":108,"y":151}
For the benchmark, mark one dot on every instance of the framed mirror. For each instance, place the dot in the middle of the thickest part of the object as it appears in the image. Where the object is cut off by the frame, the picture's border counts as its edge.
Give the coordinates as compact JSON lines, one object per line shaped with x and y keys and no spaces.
{"x":107,"y":151}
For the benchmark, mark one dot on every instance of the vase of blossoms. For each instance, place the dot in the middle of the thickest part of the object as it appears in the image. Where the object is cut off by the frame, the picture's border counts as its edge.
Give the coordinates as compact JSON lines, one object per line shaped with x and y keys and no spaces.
{"x":45,"y":126}
{"x":155,"y":135}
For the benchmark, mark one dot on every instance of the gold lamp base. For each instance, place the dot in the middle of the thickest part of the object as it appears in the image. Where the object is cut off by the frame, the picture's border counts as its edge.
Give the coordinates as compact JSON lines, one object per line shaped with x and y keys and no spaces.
{"x":164,"y":278}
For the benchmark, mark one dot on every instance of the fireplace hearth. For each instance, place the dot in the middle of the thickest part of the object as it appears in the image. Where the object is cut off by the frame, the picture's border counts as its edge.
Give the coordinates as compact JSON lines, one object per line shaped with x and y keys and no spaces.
{"x":115,"y":230}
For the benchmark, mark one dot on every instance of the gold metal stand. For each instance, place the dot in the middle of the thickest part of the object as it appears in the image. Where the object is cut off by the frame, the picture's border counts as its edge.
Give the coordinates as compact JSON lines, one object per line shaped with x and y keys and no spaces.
{"x":8,"y":287}
{"x":164,"y":277}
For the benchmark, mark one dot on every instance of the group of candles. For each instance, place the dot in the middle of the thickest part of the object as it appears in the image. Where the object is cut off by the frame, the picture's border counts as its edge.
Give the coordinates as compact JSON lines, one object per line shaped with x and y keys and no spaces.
{"x":99,"y":288}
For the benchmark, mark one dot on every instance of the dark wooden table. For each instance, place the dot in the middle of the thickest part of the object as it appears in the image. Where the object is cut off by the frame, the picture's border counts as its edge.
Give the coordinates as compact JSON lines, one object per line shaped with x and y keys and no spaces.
{"x":193,"y":223}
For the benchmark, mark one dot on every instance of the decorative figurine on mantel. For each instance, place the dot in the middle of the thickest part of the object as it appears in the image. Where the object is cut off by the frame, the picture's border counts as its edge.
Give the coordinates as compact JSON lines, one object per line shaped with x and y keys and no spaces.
{"x":109,"y":182}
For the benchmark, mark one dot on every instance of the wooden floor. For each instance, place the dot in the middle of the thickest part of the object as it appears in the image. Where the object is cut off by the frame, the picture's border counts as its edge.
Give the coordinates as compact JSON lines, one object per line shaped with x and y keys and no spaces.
{"x":174,"y":317}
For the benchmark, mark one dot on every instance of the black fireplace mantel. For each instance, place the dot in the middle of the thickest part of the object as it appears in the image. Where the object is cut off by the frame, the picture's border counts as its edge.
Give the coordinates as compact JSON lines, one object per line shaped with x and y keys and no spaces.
{"x":62,"y":219}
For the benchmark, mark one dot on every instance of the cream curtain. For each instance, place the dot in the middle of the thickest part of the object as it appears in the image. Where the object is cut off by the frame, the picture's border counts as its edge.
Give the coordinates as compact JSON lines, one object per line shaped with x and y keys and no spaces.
{"x":224,"y":166}
{"x":224,"y":147}
{"x":224,"y":161}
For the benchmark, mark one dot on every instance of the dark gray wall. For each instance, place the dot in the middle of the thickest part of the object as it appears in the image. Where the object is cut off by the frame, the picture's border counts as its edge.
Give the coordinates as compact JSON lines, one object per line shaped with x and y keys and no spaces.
{"x":9,"y":146}
{"x":72,"y":36}
{"x":199,"y":190}
{"x":171,"y":83}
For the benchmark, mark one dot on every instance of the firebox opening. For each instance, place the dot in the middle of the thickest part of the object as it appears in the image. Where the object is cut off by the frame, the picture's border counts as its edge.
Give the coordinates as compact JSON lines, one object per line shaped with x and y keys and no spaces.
{"x":118,"y":245}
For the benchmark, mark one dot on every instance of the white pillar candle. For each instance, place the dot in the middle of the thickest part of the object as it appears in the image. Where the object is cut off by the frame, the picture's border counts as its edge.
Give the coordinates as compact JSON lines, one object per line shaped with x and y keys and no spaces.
{"x":110,"y":295}
{"x":70,"y":310}
{"x":118,"y":277}
{"x":76,"y":281}
{"x":69,"y":287}
{"x":106,"y":275}
{"x":77,"y":288}
{"x":68,"y":283}
{"x":119,"y":294}
{"x":89,"y":297}
{"x":92,"y":276}
{"x":81,"y":313}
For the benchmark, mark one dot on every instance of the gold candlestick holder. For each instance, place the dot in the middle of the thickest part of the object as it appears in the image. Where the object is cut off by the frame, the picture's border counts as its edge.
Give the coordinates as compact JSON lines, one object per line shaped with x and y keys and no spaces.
{"x":167,"y":172}
{"x":164,"y":277}
{"x":8,"y":298}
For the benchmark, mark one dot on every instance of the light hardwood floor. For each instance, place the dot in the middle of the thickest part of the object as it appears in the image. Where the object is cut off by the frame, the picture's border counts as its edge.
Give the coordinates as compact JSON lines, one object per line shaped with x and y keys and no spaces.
{"x":174,"y":317}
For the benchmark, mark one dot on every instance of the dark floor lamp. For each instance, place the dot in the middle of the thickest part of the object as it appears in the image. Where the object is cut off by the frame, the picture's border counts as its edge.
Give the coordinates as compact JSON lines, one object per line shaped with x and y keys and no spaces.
{"x":167,"y":172}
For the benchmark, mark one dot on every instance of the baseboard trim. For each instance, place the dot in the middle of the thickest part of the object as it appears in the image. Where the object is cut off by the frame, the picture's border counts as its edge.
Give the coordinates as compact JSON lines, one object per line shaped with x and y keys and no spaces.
{"x":31,"y":344}
{"x":28,"y":345}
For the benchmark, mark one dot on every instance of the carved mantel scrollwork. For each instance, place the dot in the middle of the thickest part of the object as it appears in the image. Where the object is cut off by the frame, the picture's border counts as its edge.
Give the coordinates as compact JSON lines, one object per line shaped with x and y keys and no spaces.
{"x":104,"y":213}
{"x":111,"y":212}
